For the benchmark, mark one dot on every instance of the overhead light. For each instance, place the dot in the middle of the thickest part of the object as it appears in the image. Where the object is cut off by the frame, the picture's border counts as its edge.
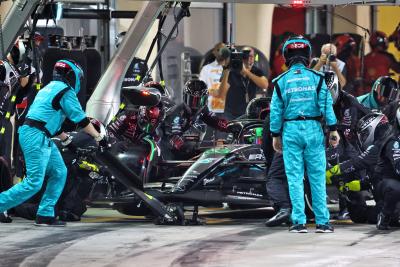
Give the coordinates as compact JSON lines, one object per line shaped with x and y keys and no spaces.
{"x":297,"y":3}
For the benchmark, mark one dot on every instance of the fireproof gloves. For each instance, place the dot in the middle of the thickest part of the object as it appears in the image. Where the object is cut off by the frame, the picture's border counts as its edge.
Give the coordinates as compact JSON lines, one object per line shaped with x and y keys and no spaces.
{"x":335,"y":170}
{"x":354,"y":186}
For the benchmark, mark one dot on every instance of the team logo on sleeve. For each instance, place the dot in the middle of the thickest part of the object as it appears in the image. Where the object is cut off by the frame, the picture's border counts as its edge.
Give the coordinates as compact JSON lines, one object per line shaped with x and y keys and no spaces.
{"x":396,"y":145}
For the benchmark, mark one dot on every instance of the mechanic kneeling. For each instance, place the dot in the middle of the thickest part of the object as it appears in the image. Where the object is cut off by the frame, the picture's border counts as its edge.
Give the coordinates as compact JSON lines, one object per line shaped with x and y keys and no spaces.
{"x":51,"y":106}
{"x":382,"y":149}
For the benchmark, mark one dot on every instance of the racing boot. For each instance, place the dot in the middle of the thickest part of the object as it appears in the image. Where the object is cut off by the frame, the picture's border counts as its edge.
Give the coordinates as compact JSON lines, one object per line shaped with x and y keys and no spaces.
{"x":343,"y":214}
{"x":48,"y":221}
{"x":383,"y":222}
{"x":5,"y":218}
{"x":283,"y":216}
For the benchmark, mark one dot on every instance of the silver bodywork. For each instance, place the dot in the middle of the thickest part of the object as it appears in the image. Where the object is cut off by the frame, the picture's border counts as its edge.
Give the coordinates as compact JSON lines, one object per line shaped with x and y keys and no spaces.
{"x":105,"y":100}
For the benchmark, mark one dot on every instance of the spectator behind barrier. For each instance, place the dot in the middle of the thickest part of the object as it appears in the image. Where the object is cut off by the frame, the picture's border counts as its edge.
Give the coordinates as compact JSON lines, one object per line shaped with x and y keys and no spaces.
{"x":241,"y":87}
{"x":346,"y":46}
{"x":211,"y":75}
{"x":378,"y":62}
{"x":328,"y":61}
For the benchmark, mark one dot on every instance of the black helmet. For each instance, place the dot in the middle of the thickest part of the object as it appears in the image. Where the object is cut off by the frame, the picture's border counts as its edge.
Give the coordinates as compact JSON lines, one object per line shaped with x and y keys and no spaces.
{"x":99,"y":126}
{"x":387,"y":88}
{"x":8,"y":74}
{"x":195,"y":94}
{"x":69,"y":72}
{"x":372,"y":127}
{"x":332,"y":82}
{"x":149,"y":118}
{"x":3,"y":71}
{"x":398,"y":118}
{"x":297,"y":49}
{"x":18,"y":52}
{"x":258,"y":108}
{"x":157,"y":85}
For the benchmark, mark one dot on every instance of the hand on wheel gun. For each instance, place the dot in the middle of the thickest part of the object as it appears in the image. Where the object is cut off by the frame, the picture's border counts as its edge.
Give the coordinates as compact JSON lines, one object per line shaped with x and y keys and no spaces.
{"x":354,"y":186}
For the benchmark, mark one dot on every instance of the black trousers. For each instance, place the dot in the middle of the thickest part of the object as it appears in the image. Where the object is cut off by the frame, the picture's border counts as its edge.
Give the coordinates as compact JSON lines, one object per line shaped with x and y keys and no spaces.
{"x":389,"y":193}
{"x":277,"y":185}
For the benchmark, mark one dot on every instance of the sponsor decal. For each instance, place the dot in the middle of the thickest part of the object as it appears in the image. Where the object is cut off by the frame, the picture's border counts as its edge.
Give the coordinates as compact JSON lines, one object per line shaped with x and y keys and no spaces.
{"x":396,"y":145}
{"x":256,"y":157}
{"x":207,"y":181}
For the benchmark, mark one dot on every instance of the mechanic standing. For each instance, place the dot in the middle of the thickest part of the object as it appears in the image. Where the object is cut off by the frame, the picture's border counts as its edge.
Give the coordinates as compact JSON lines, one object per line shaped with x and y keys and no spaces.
{"x":299,"y":101}
{"x":51,"y":106}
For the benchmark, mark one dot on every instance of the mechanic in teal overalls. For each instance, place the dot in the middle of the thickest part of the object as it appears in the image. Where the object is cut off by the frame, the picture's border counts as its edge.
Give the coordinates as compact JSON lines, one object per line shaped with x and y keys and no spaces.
{"x":299,"y":101}
{"x":52,"y":105}
{"x":383,"y":92}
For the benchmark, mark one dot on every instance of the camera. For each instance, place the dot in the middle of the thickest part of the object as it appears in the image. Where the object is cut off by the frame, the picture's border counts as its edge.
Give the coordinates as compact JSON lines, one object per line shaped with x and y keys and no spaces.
{"x":236,"y":59}
{"x":332,"y":57}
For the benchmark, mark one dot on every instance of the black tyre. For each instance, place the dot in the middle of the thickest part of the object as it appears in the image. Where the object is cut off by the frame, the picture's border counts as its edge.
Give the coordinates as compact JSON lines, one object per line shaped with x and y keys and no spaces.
{"x":133,"y":209}
{"x":359,"y":212}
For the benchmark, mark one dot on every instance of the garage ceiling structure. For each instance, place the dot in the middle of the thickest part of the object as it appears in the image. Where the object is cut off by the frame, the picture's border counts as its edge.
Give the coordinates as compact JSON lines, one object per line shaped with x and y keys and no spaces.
{"x":105,"y":100}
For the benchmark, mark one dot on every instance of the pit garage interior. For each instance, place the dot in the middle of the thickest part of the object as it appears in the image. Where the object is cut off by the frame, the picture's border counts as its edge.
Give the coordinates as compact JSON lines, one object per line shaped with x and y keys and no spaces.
{"x":131,"y":213}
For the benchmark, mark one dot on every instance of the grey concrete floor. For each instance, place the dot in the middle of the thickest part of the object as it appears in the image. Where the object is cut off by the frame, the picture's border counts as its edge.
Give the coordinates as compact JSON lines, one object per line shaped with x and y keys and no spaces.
{"x":106,"y":238}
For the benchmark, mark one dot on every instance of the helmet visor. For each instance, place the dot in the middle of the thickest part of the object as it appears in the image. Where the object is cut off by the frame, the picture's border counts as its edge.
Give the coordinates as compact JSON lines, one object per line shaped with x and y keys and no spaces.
{"x":332,"y":83}
{"x":365,"y":137}
{"x":195,"y":102}
{"x":389,"y":90}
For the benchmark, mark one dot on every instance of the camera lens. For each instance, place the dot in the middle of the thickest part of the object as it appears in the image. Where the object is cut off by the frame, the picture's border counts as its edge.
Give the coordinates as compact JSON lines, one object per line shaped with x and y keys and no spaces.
{"x":332,"y":57}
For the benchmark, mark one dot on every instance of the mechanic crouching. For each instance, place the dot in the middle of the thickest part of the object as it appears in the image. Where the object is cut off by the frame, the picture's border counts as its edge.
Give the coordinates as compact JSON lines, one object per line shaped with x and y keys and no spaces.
{"x":51,"y":106}
{"x":299,"y":100}
{"x":381,"y":152}
{"x":186,"y":115}
{"x":383,"y":95}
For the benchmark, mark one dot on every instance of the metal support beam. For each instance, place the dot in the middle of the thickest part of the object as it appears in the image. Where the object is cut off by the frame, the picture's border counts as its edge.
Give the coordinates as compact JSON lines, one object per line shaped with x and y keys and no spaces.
{"x":15,"y":20}
{"x":104,"y":14}
{"x":105,"y":100}
{"x":306,"y":2}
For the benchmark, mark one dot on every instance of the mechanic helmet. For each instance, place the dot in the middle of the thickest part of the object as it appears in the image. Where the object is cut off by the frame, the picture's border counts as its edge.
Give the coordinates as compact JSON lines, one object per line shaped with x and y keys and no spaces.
{"x":258,"y":108}
{"x":372,"y":127}
{"x":398,"y":118}
{"x":149,"y":118}
{"x":98,"y":125}
{"x":345,"y":42}
{"x":119,"y":38}
{"x":7,"y":75}
{"x":385,"y":90}
{"x":379,"y":39}
{"x":156,"y":85}
{"x":332,"y":82}
{"x":296,"y":49}
{"x":195,"y":94}
{"x":38,"y":37}
{"x":17,"y":52}
{"x":3,"y":71}
{"x":69,"y":72}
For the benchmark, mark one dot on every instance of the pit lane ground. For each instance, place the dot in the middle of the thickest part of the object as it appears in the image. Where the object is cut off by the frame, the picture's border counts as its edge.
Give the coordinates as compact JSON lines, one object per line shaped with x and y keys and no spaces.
{"x":107,"y":238}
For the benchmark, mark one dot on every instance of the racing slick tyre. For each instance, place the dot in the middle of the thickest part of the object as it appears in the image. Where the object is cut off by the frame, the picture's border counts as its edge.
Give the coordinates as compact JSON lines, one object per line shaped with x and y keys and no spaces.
{"x":133,"y":209}
{"x":357,"y":207}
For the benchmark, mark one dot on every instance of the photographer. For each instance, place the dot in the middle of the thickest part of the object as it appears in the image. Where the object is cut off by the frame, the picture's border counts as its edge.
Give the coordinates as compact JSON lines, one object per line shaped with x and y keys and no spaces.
{"x":329,"y":62}
{"x":239,"y":84}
